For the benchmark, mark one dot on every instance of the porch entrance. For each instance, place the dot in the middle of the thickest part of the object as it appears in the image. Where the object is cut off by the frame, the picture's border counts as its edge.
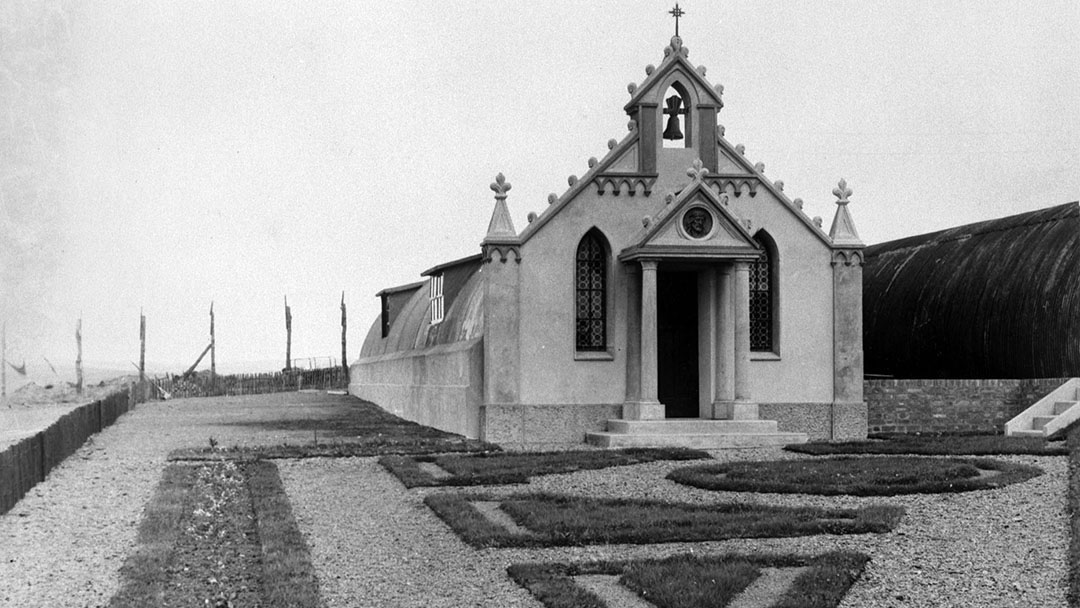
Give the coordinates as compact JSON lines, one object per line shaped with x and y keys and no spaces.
{"x":677,"y":343}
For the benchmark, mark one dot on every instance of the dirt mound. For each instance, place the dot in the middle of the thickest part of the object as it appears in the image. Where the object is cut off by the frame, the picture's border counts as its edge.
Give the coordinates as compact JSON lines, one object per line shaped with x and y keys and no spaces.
{"x":31,"y":393}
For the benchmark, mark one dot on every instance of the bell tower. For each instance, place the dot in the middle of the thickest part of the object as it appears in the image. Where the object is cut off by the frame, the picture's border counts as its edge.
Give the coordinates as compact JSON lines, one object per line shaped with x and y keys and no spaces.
{"x":675,"y":109}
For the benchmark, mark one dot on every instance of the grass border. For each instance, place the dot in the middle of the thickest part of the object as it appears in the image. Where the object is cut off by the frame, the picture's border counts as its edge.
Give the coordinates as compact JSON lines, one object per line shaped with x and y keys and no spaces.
{"x":710,"y":477}
{"x":830,"y":577}
{"x":407,"y":468}
{"x":145,"y":571}
{"x":936,"y":445}
{"x":477,"y":531}
{"x":288,"y":576}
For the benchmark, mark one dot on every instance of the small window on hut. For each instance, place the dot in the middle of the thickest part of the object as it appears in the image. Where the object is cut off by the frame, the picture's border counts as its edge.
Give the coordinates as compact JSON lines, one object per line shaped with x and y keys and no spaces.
{"x":435,"y":286}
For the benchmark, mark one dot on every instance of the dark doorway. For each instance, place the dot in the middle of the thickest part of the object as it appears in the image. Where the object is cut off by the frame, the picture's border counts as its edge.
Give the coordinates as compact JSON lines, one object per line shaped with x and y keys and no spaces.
{"x":677,"y":343}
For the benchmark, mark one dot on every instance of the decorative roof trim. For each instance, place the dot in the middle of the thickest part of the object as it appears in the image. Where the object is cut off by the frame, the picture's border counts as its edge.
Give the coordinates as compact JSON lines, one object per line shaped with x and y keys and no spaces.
{"x":627,"y":183}
{"x":614,"y":152}
{"x":771,"y":187}
{"x":675,"y":56}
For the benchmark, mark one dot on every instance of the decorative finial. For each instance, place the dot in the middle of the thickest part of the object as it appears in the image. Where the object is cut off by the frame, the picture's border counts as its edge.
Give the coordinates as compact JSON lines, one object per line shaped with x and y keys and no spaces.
{"x":698,"y":171}
{"x":501,"y":187}
{"x":741,"y":149}
{"x":669,"y":198}
{"x":572,"y":180}
{"x":720,"y":130}
{"x":719,"y":90}
{"x":798,"y":203}
{"x":779,"y":185}
{"x":676,"y":12}
{"x":649,"y":69}
{"x":592,"y":162}
{"x":842,"y":192}
{"x":553,"y":198}
{"x":645,"y":221}
{"x":724,"y":199}
{"x":630,"y":88}
{"x":611,"y":143}
{"x":631,"y":126}
{"x":701,"y":69}
{"x":759,"y":167}
{"x":817,"y":221}
{"x":532,"y":216}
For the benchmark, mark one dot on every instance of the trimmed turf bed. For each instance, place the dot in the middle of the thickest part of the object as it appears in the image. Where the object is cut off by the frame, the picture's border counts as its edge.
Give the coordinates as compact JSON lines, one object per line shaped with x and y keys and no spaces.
{"x":553,"y":520}
{"x":219,"y":534}
{"x":937,"y":445}
{"x":877,"y":476}
{"x":688,"y":581}
{"x":493,"y":468}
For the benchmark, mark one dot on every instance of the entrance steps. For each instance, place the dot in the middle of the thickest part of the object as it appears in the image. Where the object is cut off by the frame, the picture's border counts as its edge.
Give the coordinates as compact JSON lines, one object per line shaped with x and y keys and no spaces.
{"x":692,"y":433}
{"x":1049,"y":416}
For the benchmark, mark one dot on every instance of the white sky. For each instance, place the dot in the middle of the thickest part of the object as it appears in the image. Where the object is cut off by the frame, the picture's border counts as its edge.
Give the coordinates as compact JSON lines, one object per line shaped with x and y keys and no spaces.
{"x":243,"y":151}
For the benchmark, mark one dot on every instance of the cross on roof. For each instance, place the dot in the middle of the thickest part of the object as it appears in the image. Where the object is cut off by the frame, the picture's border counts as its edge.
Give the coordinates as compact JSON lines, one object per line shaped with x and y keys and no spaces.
{"x":676,"y":12}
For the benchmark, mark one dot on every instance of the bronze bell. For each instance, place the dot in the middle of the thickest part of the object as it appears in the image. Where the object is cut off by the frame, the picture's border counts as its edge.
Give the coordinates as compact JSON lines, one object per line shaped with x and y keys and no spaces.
{"x":673,"y":110}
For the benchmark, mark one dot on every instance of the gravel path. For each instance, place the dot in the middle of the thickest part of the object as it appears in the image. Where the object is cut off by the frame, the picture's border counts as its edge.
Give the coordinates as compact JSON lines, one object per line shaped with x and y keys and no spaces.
{"x":375,"y":544}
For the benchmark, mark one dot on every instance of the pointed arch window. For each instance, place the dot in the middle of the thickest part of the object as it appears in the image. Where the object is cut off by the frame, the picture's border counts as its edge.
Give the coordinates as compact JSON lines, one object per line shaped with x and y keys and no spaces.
{"x":763,"y":297}
{"x":590,"y":281}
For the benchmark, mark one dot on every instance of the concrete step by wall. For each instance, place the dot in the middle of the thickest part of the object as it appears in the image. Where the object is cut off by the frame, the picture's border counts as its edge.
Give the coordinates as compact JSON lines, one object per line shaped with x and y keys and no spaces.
{"x":1050,"y":416}
{"x":1028,"y":433}
{"x":690,"y":426}
{"x":1040,"y":422}
{"x":703,"y":441}
{"x":1061,"y":406}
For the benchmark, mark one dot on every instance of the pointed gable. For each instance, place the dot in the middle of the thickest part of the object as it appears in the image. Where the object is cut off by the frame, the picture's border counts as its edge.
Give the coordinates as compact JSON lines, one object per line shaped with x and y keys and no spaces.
{"x":695,"y":224}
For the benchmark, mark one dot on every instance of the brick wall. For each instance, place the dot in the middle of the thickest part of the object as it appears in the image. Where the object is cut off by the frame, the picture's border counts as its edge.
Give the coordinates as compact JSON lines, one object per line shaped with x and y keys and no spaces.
{"x":920,"y":406}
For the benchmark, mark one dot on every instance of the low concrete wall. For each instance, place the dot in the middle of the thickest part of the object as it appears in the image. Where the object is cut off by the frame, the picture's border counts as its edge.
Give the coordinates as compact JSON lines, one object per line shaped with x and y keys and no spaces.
{"x":932,"y":406}
{"x":441,"y":386}
{"x":542,"y":427}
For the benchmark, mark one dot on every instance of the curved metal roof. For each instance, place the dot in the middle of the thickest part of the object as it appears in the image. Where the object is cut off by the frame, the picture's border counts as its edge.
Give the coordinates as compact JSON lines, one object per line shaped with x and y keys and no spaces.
{"x":996,"y":299}
{"x":412,"y":329}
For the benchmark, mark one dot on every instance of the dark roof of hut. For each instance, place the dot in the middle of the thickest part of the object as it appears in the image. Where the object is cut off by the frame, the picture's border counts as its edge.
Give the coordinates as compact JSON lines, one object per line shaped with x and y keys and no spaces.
{"x":996,"y":299}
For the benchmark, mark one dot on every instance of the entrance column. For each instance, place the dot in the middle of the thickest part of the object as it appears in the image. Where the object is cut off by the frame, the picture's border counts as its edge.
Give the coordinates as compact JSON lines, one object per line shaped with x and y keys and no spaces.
{"x":743,"y":408}
{"x":725,"y":344}
{"x":649,"y":407}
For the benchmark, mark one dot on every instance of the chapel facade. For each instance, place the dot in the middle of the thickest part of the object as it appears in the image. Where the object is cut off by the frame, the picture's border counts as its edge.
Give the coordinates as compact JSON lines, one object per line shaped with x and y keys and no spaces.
{"x":672,"y":295}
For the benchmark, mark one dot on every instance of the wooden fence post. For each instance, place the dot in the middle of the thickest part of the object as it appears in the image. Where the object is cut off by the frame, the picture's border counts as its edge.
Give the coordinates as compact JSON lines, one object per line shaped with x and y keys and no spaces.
{"x":344,"y":357}
{"x":78,"y":358}
{"x":142,"y":357}
{"x":213,"y":349}
{"x":288,"y":335}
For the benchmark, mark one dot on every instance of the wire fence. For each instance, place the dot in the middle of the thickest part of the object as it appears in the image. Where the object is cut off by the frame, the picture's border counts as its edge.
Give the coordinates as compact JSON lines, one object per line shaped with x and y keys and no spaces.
{"x":203,"y":385}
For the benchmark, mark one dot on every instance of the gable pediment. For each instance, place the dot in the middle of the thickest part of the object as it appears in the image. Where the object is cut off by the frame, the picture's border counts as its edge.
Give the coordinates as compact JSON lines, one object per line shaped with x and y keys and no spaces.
{"x":696,"y":224}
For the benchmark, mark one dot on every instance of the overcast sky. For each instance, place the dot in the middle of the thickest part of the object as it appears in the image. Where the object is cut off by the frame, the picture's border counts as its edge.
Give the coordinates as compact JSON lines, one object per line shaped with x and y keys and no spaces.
{"x":163,"y":155}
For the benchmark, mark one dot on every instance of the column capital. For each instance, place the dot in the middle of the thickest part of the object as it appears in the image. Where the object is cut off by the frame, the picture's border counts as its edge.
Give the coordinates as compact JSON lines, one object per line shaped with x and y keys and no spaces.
{"x":650,"y":265}
{"x":742,"y":266}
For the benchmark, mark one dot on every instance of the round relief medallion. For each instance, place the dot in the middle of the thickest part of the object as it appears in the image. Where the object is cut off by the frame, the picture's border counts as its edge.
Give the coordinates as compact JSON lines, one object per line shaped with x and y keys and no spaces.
{"x":697,"y":223}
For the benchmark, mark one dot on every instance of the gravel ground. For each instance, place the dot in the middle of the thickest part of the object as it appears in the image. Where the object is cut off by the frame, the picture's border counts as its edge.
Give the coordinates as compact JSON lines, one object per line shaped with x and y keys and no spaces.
{"x":1004,"y":547}
{"x":375,"y":544}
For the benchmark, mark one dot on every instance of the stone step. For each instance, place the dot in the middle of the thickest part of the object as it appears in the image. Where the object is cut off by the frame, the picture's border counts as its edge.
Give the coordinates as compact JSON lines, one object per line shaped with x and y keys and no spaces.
{"x":1027,"y":433}
{"x":1038,"y":423}
{"x":690,"y":426}
{"x":1061,"y":406}
{"x":703,"y":441}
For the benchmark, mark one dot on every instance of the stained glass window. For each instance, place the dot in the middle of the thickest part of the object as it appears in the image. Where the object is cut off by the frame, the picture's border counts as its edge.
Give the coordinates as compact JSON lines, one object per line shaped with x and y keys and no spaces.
{"x":761,"y":302}
{"x":591,"y":294}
